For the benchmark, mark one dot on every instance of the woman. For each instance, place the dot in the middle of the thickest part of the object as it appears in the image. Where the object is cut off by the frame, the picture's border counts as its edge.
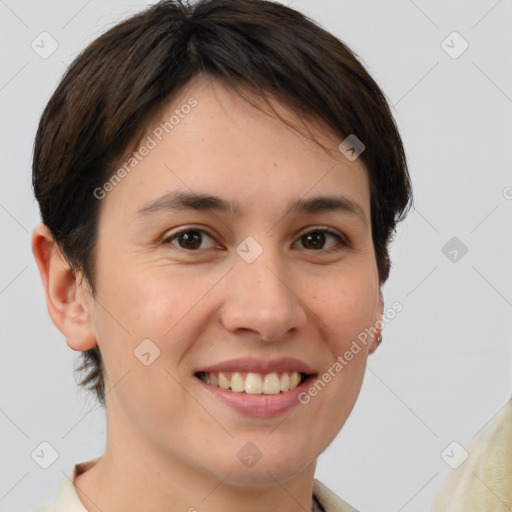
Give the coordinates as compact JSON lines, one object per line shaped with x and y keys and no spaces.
{"x":218,"y":186}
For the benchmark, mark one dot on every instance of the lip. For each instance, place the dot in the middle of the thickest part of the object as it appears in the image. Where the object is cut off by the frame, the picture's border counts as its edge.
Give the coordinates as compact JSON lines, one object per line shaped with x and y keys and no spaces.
{"x":284,"y":364}
{"x":258,"y":406}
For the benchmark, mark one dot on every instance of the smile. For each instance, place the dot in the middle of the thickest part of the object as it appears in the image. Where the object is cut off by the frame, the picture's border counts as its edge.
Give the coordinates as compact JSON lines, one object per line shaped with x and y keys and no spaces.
{"x":255,"y":387}
{"x":254,"y":383}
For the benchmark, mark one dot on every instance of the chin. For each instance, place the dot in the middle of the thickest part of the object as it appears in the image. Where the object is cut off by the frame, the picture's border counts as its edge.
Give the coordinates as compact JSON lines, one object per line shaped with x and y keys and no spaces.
{"x":252,"y":467}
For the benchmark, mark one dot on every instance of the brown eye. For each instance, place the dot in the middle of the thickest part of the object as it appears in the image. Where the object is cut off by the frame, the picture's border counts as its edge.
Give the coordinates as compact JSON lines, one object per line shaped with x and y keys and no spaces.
{"x":189,"y":239}
{"x":316,"y":240}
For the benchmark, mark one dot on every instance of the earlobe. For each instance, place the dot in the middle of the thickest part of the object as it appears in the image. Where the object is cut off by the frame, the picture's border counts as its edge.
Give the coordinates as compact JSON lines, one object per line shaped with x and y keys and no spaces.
{"x":67,"y":302}
{"x":377,"y":340}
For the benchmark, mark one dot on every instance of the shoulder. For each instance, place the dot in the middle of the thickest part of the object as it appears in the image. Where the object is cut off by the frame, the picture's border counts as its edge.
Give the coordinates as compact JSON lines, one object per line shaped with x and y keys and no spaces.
{"x":482,"y":481}
{"x":330,"y":501}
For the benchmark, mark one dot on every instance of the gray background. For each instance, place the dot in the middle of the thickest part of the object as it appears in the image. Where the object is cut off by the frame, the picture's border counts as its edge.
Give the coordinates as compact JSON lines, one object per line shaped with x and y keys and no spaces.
{"x":444,"y":368}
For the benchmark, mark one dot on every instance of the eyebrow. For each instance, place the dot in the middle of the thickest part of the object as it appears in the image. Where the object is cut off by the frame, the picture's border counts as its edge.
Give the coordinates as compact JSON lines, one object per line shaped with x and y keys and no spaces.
{"x":174,"y":201}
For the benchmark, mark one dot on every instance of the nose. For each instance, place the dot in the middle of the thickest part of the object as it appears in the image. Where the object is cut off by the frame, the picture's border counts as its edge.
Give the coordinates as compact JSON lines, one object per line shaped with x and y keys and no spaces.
{"x":261,"y":299}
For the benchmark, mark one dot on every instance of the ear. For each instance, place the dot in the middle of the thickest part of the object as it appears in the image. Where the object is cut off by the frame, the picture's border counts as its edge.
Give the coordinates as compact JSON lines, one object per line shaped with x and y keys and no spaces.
{"x":377,"y":324}
{"x":67,"y":301}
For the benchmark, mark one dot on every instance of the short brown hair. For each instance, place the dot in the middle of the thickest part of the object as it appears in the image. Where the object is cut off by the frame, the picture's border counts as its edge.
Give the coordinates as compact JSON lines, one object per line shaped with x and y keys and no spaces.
{"x":119,"y":83}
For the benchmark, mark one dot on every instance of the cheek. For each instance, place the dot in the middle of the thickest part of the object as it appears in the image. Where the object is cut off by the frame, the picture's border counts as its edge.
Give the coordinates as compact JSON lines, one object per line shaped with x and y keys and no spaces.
{"x":152,"y":298}
{"x":347,"y":308}
{"x":145,"y":325}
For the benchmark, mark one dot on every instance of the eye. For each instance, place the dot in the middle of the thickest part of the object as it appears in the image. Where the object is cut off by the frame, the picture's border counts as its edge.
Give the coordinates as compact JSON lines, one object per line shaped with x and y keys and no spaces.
{"x":316,"y":239}
{"x":189,"y":239}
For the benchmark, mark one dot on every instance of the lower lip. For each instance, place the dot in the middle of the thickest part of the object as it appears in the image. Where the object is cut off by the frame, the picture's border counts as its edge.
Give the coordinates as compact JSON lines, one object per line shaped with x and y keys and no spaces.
{"x":260,"y":406}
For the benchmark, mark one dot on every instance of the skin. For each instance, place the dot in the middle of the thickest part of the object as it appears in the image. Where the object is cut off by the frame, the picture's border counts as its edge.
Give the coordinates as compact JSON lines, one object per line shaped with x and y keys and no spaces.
{"x":168,"y":441}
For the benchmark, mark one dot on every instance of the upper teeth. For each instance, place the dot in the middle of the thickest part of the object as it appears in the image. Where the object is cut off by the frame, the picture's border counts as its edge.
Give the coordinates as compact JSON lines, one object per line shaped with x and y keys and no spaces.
{"x":253,"y":383}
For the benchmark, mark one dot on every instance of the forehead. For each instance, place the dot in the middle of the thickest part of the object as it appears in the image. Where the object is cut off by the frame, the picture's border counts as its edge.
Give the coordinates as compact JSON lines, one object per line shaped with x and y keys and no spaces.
{"x":210,"y":140}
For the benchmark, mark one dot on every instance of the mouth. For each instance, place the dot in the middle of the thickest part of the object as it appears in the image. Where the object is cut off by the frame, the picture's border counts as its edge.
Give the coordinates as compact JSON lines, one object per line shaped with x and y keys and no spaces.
{"x":256,"y":388}
{"x":251,"y":383}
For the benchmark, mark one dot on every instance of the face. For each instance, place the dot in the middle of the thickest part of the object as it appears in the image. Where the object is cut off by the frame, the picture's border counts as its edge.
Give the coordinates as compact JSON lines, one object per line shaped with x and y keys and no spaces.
{"x":248,"y":290}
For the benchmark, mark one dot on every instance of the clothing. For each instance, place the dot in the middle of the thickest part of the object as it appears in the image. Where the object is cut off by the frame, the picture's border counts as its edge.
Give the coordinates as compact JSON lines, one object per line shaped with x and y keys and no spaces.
{"x":67,"y":499}
{"x":483,"y":483}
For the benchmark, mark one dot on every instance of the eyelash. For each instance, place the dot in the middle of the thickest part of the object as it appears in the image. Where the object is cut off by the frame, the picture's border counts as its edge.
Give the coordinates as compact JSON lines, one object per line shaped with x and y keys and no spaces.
{"x":343,"y":242}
